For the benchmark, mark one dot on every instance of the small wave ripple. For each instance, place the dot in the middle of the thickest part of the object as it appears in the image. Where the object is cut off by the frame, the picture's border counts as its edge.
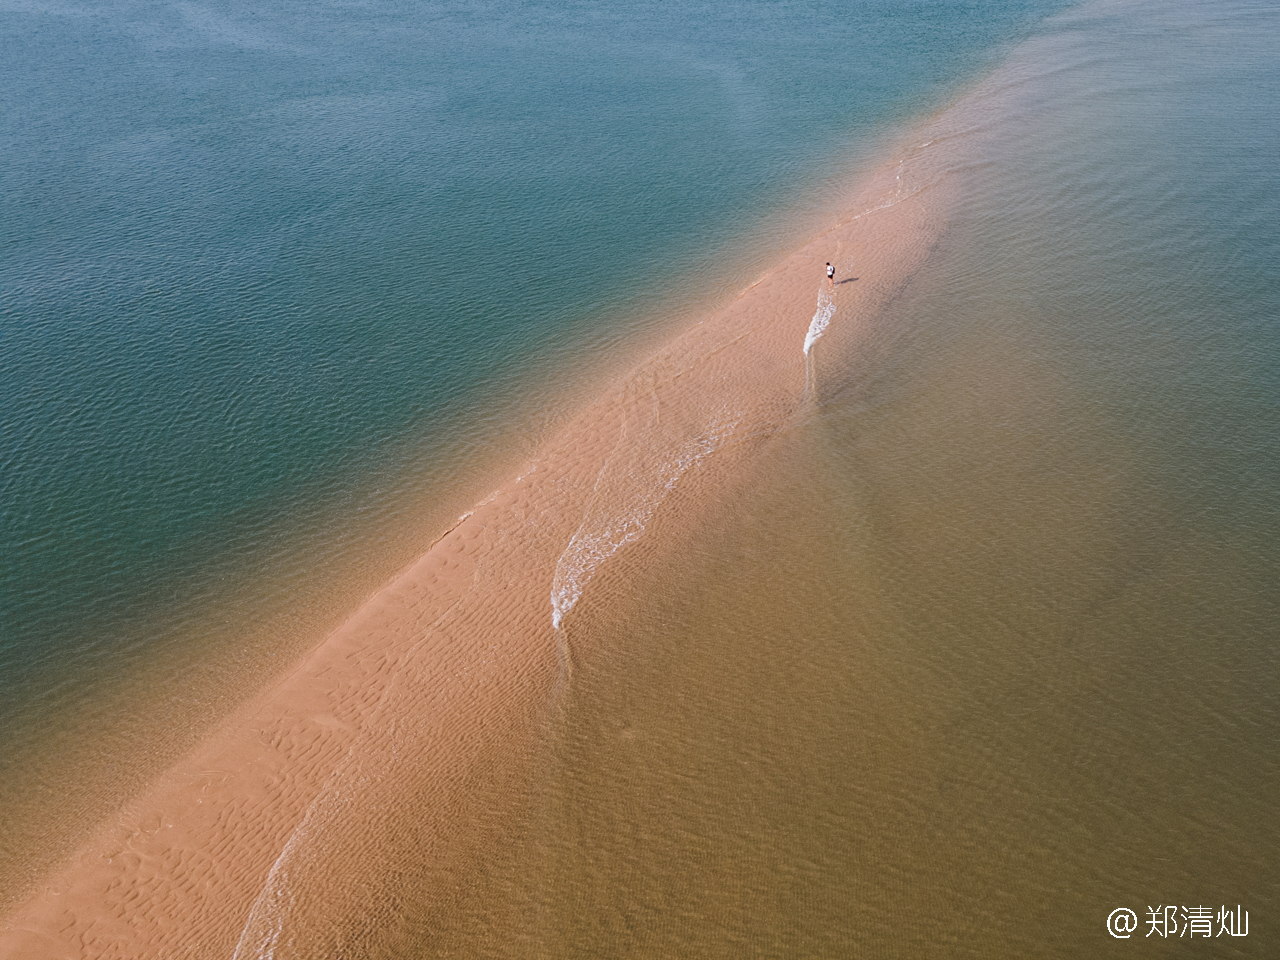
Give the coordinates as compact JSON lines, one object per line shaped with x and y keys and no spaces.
{"x":623,"y":502}
{"x":821,"y":319}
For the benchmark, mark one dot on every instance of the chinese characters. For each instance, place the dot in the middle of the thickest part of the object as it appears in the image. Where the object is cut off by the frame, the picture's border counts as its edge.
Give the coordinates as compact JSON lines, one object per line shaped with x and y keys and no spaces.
{"x":1191,"y":922}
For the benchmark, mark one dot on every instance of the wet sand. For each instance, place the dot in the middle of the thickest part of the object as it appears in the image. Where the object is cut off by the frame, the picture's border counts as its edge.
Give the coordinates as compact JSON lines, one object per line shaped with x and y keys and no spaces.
{"x":356,"y":794}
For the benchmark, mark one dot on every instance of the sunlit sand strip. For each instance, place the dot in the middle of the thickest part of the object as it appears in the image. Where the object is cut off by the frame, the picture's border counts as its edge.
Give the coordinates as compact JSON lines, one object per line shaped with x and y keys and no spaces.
{"x":332,"y":814}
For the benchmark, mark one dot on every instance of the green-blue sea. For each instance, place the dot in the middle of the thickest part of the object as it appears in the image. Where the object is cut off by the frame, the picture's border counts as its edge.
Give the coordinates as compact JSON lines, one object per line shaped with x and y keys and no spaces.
{"x":987,"y":649}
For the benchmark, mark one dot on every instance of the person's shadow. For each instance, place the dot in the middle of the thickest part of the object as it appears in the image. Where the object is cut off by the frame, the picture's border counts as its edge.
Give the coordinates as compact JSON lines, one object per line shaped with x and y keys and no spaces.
{"x":848,"y":280}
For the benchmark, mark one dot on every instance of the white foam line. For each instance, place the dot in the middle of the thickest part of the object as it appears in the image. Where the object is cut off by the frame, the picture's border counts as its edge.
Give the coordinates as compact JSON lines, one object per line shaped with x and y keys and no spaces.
{"x":884,"y":206}
{"x":595,"y":543}
{"x":821,"y":319}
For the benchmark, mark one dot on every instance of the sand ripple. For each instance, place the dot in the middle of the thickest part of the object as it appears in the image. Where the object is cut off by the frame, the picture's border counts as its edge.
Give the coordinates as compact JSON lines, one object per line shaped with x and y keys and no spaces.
{"x":334,"y":813}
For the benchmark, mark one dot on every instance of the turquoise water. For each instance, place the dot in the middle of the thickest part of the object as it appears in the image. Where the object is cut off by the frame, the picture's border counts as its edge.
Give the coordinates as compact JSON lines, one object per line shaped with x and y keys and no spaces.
{"x":989,"y":647}
{"x":272,"y":276}
{"x":979,"y":648}
{"x":247,"y":253}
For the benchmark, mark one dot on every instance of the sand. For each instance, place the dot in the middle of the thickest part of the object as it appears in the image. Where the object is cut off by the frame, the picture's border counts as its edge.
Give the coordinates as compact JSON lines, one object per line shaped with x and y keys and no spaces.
{"x":336,"y":811}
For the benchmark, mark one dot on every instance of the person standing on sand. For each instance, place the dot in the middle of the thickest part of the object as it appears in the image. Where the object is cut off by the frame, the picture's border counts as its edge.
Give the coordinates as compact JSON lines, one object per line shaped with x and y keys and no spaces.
{"x":831,"y":275}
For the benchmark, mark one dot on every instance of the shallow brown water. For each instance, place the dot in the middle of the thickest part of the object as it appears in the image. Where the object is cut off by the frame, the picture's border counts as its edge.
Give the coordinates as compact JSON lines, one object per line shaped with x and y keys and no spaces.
{"x":968,"y":641}
{"x":982,"y":645}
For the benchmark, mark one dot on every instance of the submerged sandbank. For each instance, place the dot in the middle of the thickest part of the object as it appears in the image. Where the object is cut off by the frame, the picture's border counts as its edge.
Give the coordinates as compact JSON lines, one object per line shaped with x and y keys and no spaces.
{"x":379,"y":764}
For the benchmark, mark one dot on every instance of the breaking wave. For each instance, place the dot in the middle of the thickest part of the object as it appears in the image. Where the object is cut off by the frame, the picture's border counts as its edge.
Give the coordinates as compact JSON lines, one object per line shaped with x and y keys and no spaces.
{"x":821,"y":318}
{"x":612,"y":521}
